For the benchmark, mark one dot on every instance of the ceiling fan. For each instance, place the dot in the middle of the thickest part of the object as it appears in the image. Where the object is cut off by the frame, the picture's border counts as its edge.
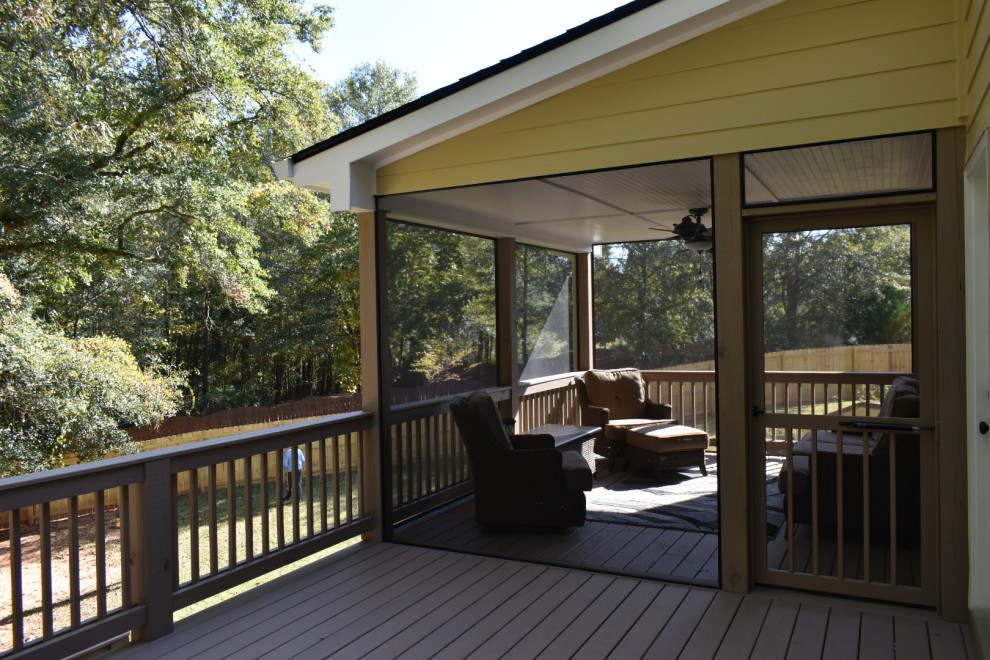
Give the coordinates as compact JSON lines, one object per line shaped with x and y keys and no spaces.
{"x":696,"y":236}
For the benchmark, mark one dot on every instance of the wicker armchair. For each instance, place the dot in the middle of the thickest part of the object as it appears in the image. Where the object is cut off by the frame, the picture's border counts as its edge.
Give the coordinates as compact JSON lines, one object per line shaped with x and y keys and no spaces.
{"x":616,"y":401}
{"x":520,"y":480}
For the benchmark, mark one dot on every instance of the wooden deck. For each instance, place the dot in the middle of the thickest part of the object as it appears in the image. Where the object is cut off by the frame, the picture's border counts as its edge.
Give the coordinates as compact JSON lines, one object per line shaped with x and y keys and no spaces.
{"x":383,"y":600}
{"x":634,"y":550}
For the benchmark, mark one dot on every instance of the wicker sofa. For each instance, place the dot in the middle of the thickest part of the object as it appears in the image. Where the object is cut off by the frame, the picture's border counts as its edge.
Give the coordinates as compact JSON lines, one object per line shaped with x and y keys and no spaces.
{"x":519,"y":480}
{"x":901,"y":401}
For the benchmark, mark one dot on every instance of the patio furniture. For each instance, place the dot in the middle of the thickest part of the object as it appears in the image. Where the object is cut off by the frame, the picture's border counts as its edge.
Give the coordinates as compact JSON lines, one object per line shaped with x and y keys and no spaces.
{"x":522,"y":480}
{"x":615,"y":400}
{"x":569,"y":437}
{"x":901,"y":401}
{"x":666,"y":447}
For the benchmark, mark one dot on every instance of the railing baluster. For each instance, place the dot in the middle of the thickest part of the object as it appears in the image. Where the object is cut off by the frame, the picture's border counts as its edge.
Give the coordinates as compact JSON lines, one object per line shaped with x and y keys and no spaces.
{"x":359,"y":440}
{"x":336,"y":481}
{"x":16,"y":581}
{"x":350,"y":494}
{"x":75,"y":614}
{"x":296,"y":495}
{"x":124,"y":520}
{"x":174,"y":506}
{"x":310,"y":522}
{"x":46,"y":570}
{"x":231,"y":514}
{"x":323,"y":485}
{"x":194,"y":525}
{"x":100,"y":550}
{"x":265,"y":505}
{"x":279,"y":502}
{"x":212,"y":501}
{"x":247,"y":464}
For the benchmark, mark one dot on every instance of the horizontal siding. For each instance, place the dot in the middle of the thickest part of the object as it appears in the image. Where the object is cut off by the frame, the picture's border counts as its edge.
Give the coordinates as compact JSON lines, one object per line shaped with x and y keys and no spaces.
{"x":802,"y":71}
{"x":976,"y":29}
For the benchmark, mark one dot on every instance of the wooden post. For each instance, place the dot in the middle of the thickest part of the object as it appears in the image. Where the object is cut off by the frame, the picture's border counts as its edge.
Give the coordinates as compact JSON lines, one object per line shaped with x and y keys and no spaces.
{"x":731,"y":337}
{"x":585,"y":313}
{"x":375,"y":361}
{"x":950,"y":329}
{"x":506,"y":307}
{"x":151,"y":549}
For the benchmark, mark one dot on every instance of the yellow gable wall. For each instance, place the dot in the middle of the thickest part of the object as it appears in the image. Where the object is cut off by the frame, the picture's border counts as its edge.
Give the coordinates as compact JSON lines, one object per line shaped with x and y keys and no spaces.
{"x":976,"y":45}
{"x":802,"y":71}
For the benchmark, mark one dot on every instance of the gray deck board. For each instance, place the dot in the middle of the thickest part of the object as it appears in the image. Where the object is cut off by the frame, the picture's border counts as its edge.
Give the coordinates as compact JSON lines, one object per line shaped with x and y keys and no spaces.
{"x":745,"y":628}
{"x":381,"y":600}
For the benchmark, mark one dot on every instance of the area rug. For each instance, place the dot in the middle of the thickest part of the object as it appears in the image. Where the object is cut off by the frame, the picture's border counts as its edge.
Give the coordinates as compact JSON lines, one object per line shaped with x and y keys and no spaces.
{"x":681,"y":499}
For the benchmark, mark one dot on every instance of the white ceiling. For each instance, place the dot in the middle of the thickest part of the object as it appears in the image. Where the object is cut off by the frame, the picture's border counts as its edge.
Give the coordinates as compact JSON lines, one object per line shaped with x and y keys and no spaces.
{"x":576,"y":211}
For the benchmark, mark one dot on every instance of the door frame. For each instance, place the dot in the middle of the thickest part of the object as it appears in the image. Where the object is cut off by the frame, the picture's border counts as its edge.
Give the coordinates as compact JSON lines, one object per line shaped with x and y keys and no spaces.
{"x":922,"y":219}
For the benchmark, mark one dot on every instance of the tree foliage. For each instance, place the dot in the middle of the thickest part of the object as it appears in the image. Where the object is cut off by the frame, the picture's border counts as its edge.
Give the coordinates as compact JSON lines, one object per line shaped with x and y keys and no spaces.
{"x":137,"y":200}
{"x":441,"y":299}
{"x":61,"y":396}
{"x":370,"y":90}
{"x":837,"y":287}
{"x":653,"y":305}
{"x":135,"y":131}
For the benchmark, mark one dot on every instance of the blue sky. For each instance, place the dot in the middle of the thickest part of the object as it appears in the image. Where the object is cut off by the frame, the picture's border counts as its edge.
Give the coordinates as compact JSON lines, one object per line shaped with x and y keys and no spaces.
{"x":442,"y":40}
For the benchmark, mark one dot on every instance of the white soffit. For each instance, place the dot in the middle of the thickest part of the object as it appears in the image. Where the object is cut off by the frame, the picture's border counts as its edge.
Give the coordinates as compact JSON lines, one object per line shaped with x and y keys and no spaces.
{"x":348,"y":168}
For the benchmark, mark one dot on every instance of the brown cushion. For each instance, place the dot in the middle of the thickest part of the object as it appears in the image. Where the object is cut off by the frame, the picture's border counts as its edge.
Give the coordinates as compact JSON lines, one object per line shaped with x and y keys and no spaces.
{"x":577,"y":474}
{"x":488,"y":412}
{"x":666,"y":438}
{"x":619,"y":390}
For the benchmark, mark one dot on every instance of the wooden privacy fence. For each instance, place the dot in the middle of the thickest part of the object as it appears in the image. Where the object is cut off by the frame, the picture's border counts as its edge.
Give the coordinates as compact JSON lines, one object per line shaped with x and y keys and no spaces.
{"x":84,"y":581}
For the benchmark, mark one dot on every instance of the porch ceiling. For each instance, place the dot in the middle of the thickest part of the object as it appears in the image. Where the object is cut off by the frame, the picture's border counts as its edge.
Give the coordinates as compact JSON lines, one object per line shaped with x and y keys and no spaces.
{"x":577,"y":211}
{"x":573,"y":211}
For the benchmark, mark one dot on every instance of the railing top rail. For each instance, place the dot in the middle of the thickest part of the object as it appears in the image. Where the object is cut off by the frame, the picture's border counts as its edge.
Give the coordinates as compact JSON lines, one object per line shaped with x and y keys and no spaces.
{"x":437,"y":406}
{"x":122,"y":470}
{"x":676,"y":375}
{"x":832,"y":377}
{"x":546,"y":383}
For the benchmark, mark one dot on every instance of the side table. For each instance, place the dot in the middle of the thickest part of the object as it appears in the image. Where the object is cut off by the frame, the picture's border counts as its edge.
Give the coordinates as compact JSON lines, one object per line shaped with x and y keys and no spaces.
{"x":569,"y":437}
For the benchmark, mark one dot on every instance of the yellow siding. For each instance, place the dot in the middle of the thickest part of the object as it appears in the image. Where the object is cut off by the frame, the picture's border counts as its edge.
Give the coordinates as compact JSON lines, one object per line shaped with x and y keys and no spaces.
{"x":803,"y":71}
{"x":976,"y":52}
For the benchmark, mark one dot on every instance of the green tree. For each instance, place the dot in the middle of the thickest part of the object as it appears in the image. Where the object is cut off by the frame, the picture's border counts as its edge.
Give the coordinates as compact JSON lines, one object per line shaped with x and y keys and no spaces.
{"x":653,"y":305}
{"x":370,"y":90}
{"x":837,"y":287}
{"x":62,"y":396}
{"x":133,"y":134}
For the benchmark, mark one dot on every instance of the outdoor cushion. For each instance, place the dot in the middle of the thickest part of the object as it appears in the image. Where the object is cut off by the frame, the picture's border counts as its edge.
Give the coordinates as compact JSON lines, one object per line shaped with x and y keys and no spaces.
{"x":616,"y":429}
{"x":488,"y":412}
{"x":577,"y":474}
{"x":667,"y":437}
{"x":619,"y":390}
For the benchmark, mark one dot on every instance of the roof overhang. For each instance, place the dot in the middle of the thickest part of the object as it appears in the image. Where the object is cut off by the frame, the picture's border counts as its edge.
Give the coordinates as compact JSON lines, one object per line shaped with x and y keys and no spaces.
{"x":347,"y":164}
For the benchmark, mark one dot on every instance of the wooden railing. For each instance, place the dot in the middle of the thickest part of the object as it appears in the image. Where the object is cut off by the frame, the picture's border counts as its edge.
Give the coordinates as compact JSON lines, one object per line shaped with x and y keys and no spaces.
{"x":551,"y":400}
{"x":190,"y":522}
{"x":805,"y":393}
{"x":691,"y":395}
{"x":429,"y":463}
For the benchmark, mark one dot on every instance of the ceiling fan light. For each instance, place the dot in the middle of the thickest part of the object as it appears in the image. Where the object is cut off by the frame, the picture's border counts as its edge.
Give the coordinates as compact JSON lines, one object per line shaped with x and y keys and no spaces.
{"x":699,"y":243}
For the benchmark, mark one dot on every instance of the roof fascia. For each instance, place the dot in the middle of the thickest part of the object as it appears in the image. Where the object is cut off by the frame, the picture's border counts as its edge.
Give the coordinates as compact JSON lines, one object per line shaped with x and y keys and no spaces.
{"x":348,"y":168}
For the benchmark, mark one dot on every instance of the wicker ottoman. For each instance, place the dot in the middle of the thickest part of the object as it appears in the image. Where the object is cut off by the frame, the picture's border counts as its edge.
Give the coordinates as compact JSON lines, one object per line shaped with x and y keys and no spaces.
{"x":666,"y":447}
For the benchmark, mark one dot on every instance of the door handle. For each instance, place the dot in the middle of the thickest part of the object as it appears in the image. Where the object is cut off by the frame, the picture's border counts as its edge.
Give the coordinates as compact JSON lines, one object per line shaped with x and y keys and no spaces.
{"x":757,"y":411}
{"x":984,"y":427}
